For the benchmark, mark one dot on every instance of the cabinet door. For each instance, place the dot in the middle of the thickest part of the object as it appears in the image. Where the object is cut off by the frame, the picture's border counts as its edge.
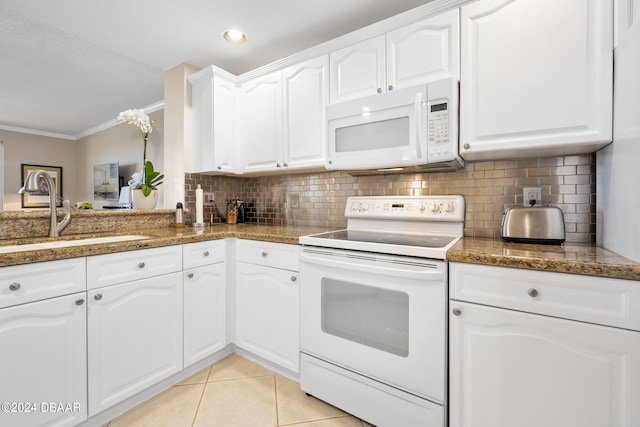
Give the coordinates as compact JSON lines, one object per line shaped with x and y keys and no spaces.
{"x":43,"y":360}
{"x":224,"y":125}
{"x":306,"y":93}
{"x":627,"y":12}
{"x":509,"y":368}
{"x":535,"y":82}
{"x":425,"y":51}
{"x":204,"y":312}
{"x":357,"y":70}
{"x":262,"y":118}
{"x":213,"y":103}
{"x":267,"y":314}
{"x":134,"y":337}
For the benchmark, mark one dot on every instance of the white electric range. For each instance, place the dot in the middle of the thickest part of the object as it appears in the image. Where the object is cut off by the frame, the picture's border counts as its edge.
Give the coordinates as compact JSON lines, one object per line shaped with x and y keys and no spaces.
{"x":373,"y":309}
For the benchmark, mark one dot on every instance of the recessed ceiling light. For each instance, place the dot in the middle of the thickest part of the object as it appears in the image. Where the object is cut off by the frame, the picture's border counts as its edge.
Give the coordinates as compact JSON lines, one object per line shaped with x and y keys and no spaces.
{"x":235,"y":36}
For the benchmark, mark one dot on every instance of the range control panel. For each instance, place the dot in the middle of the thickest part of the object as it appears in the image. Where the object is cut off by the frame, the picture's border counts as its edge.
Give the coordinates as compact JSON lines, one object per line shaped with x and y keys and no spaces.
{"x":420,"y":208}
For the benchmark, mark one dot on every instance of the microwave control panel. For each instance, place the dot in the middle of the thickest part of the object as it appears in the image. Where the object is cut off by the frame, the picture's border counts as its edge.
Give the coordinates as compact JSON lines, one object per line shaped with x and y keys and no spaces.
{"x":442,"y":141}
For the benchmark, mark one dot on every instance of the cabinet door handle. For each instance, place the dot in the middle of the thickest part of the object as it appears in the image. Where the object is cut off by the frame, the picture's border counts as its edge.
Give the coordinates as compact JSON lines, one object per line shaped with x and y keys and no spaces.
{"x":97,"y":297}
{"x":14,"y":286}
{"x":285,"y":164}
{"x":533,"y":292}
{"x":456,"y":311}
{"x":80,"y":301}
{"x":141,"y":265}
{"x":466,"y":146}
{"x":219,"y":166}
{"x":190,"y":275}
{"x":277,"y":165}
{"x":390,"y":87}
{"x":264,"y":254}
{"x":294,"y":278}
{"x":206,"y":253}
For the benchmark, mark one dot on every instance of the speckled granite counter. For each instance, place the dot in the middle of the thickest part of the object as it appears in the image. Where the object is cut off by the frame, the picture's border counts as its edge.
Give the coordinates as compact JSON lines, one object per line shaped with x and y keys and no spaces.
{"x":163,"y":236}
{"x":566,"y":258}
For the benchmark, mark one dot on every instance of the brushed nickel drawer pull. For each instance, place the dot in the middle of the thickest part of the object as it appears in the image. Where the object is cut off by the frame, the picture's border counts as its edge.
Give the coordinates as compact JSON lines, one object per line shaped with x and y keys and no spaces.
{"x":190,"y":275}
{"x":456,"y":311}
{"x":206,"y":253}
{"x":533,"y":292}
{"x":14,"y":286}
{"x":97,"y":297}
{"x":80,"y":301}
{"x":141,"y":265}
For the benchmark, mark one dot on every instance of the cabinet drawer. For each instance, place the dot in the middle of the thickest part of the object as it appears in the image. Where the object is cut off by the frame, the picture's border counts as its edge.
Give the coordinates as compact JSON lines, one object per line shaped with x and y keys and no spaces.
{"x":203,"y":253}
{"x":110,"y":269}
{"x":20,"y":284}
{"x":605,"y":301}
{"x":277,"y":255}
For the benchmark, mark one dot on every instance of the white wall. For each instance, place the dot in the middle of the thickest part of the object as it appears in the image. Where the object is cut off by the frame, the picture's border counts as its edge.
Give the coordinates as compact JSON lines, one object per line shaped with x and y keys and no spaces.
{"x":618,"y":165}
{"x":122,"y":144}
{"x":31,"y":149}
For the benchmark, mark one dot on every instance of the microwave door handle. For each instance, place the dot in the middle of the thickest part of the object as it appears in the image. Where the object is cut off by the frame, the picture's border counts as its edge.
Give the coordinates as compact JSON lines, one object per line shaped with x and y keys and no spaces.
{"x":420,"y":117}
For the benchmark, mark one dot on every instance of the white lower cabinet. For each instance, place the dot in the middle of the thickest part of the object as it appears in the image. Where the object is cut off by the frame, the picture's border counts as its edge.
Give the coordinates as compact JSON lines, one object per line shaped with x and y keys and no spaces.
{"x":43,"y":365}
{"x":267,"y":310}
{"x":135,"y":337}
{"x":204,"y":312}
{"x":513,"y":368}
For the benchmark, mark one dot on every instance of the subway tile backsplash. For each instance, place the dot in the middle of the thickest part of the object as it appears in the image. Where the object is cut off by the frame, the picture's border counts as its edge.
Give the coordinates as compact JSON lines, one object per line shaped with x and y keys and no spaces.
{"x":319,"y":199}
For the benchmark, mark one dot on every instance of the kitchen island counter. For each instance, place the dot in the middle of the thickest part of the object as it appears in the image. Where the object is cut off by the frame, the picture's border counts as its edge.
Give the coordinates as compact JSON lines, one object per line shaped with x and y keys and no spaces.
{"x":571,"y":258}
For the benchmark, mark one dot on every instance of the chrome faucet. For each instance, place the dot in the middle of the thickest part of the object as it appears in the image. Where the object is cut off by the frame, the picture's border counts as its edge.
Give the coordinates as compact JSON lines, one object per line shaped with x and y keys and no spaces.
{"x":32,"y":185}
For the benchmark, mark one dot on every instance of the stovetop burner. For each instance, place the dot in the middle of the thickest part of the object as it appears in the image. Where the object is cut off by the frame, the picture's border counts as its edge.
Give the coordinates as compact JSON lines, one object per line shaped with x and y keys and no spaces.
{"x":426,"y":241}
{"x":419,"y":226}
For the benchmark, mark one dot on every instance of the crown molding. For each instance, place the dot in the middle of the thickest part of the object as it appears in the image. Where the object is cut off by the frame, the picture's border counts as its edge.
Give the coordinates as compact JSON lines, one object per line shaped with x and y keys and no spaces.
{"x":36,"y":132}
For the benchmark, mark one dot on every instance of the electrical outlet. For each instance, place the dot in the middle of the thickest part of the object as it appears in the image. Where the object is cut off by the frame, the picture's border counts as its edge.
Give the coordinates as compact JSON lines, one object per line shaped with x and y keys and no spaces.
{"x":294,"y":200}
{"x":529,"y":194}
{"x":208,"y":199}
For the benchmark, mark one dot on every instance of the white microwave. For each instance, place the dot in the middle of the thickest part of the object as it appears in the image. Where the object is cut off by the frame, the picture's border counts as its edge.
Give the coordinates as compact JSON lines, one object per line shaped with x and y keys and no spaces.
{"x":414,"y":128}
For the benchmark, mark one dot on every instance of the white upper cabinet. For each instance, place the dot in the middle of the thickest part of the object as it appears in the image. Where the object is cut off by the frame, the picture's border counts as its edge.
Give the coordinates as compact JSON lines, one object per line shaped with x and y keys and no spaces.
{"x":261,"y":119}
{"x":418,"y":53}
{"x":627,"y":12}
{"x":306,"y":94}
{"x":537,"y":78}
{"x":424,"y":51}
{"x":357,"y":70}
{"x":214,"y":130}
{"x":282,"y":121}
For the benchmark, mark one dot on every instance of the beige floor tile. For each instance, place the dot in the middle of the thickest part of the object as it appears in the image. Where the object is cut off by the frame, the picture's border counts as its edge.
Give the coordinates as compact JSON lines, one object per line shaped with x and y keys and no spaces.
{"x":199,"y":377}
{"x":238,"y":403}
{"x":174,"y":407}
{"x":347,"y":421}
{"x":234,"y":366}
{"x":294,"y":406}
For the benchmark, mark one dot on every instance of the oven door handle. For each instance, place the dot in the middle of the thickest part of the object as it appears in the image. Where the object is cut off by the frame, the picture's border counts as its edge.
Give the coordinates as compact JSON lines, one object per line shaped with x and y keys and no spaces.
{"x":366,"y":264}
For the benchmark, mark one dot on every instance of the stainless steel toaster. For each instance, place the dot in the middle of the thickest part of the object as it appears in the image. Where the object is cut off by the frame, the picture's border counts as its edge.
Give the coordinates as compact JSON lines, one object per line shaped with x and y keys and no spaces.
{"x":533,"y":225}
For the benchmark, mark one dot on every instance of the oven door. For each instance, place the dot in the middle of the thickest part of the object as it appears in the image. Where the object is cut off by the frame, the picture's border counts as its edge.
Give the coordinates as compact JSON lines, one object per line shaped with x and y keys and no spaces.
{"x":381,"y":316}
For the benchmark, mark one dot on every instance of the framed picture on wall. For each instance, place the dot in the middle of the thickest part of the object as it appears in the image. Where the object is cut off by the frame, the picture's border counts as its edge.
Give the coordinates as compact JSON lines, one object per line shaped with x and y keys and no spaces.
{"x":41,"y":200}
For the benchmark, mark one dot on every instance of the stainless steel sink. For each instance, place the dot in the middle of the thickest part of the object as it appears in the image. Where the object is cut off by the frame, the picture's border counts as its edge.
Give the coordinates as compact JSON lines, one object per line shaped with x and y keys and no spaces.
{"x":69,"y":243}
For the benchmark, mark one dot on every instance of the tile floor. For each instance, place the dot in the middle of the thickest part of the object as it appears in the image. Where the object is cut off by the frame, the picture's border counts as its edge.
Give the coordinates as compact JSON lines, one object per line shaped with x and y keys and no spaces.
{"x":236,"y":392}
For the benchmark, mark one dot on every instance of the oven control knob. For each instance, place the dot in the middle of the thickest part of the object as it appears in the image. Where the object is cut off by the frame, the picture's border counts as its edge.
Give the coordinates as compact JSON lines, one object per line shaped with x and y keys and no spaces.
{"x":364,"y":206}
{"x":422,"y":208}
{"x":434,"y":207}
{"x":355,"y":206}
{"x":449,"y":207}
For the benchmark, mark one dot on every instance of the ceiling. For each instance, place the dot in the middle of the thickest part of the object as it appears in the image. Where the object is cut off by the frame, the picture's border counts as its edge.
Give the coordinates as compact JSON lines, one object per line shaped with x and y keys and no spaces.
{"x":70,"y":65}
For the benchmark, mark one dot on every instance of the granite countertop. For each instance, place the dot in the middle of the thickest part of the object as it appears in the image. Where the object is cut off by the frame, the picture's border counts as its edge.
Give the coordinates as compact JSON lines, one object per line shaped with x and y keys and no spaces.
{"x":163,"y":236}
{"x":566,"y":258}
